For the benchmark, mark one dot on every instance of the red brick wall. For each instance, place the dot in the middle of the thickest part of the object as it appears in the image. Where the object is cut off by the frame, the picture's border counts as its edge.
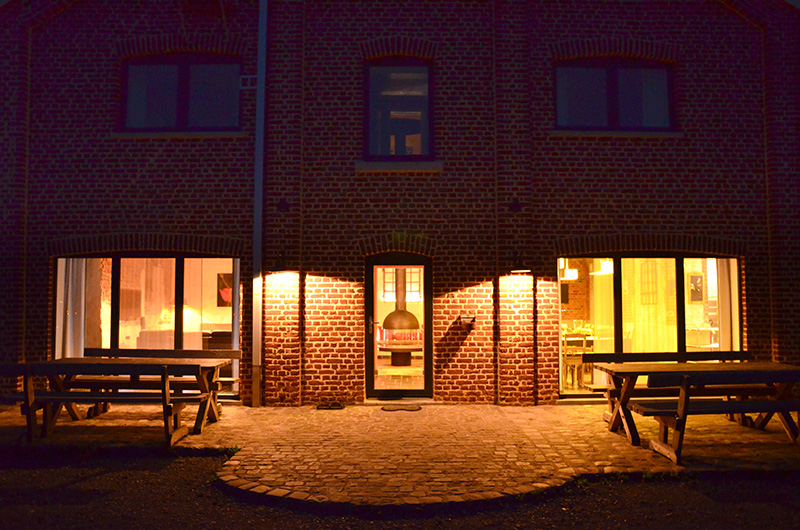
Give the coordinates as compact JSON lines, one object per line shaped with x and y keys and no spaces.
{"x":82,"y":178}
{"x":509,"y":183}
{"x":725,"y":183}
{"x":13,"y":56}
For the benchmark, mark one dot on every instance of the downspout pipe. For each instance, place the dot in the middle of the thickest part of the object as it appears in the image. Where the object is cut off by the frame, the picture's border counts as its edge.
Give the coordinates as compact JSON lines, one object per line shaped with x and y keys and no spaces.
{"x":258,"y":203}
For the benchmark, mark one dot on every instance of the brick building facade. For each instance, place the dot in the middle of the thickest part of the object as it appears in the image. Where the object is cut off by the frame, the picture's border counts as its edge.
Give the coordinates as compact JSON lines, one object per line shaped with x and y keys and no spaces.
{"x":492,"y":169}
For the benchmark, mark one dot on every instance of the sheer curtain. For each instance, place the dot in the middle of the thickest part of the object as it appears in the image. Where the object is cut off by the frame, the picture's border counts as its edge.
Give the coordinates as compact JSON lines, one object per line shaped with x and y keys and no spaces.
{"x":71,"y":302}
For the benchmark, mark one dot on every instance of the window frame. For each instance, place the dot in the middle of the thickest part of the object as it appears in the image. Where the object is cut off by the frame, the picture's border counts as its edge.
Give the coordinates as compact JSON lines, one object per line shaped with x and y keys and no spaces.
{"x":612,"y":66}
{"x":179,"y":287}
{"x":398,"y":62}
{"x":680,"y":292}
{"x":182,"y":95}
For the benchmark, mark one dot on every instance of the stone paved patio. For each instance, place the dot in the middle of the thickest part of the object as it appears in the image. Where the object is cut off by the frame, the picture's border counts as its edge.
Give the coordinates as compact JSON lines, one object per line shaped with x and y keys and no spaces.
{"x":363,"y":455}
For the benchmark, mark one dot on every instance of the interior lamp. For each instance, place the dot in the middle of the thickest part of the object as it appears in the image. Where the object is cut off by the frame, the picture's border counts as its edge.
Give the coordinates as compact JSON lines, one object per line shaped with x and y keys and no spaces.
{"x":568,"y":274}
{"x":606,"y":267}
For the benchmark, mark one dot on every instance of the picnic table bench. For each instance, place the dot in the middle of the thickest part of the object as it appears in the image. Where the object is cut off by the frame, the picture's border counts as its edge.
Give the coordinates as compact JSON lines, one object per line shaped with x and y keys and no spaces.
{"x":704,"y":388}
{"x":122,"y":376}
{"x":670,"y":387}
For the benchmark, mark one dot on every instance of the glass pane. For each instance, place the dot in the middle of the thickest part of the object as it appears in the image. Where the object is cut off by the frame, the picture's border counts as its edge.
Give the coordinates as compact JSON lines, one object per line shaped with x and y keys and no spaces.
{"x":147,"y":303}
{"x":712,"y":304}
{"x":214,"y":96}
{"x":399,"y":328}
{"x":152,"y":96}
{"x":97,"y":326}
{"x":83,"y":305}
{"x":649,"y":305}
{"x":208,"y":304}
{"x":581,"y":97}
{"x":643,"y":98}
{"x":587,"y":318}
{"x":398,"y":111}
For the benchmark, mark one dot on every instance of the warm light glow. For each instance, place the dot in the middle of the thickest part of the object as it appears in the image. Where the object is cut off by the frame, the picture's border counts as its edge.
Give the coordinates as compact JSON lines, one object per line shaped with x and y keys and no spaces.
{"x":191,"y":319}
{"x":516,"y":282}
{"x":279,"y":281}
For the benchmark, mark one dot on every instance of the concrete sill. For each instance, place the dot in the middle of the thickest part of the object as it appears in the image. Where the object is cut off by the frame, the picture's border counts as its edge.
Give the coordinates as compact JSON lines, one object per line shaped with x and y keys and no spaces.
{"x":618,"y":134}
{"x":421,"y":166}
{"x":180,"y":134}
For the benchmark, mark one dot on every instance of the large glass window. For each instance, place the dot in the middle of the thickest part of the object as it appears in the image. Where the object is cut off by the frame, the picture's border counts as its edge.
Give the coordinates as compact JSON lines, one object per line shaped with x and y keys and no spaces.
{"x":182,"y":95}
{"x":147,"y":303}
{"x":140,"y":303}
{"x":398,"y":111}
{"x":649,"y":317}
{"x":662,"y":305}
{"x":603,"y":95}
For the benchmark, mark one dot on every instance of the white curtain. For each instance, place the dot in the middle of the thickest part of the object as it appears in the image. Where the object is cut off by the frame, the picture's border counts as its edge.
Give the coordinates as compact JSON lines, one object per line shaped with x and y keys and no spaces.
{"x":70,"y":307}
{"x":728,"y":282}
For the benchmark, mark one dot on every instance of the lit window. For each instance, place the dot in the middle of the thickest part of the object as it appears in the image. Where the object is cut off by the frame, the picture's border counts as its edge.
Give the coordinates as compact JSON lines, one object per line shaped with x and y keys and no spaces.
{"x":182,"y":96}
{"x":398,"y":111}
{"x":413,"y":287}
{"x":592,"y":95}
{"x":140,"y":303}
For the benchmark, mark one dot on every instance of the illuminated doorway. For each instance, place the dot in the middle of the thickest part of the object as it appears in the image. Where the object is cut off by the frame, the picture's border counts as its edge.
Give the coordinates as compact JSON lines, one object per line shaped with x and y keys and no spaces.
{"x":398,"y":332}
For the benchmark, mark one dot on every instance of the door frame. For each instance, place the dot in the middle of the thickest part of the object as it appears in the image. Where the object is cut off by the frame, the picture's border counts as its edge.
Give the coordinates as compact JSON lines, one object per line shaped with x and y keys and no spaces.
{"x":397,"y":259}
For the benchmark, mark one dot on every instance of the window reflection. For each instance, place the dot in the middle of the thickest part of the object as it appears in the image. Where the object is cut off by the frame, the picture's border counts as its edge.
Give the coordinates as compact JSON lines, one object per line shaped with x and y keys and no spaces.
{"x":398,"y":111}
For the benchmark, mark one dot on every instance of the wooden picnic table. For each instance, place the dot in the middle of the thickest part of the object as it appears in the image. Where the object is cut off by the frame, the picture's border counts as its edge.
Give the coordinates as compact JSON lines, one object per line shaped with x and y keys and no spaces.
{"x":170,"y":382}
{"x":705,"y":388}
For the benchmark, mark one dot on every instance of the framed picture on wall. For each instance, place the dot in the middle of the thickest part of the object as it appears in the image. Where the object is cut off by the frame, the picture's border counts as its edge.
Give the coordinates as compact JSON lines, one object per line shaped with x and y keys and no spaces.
{"x":224,"y":289}
{"x":696,"y":288}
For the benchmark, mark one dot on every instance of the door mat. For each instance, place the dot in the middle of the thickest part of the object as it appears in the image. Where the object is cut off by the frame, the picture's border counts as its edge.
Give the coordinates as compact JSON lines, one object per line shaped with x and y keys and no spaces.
{"x":333,"y":405}
{"x":410,"y":408}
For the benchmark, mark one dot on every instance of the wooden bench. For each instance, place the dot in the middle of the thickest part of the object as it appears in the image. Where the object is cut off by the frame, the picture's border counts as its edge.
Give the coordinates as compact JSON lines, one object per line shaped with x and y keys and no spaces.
{"x":668,"y":385}
{"x":673,"y":413}
{"x":183,"y":387}
{"x":179,"y":384}
{"x":169,"y":378}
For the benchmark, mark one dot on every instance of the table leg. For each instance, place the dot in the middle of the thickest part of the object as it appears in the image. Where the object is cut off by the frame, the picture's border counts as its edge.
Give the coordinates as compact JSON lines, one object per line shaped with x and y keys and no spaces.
{"x":208,"y":409}
{"x":58,"y":384}
{"x":784,"y":392}
{"x":621,"y":416}
{"x":29,"y":408}
{"x":173,"y":430}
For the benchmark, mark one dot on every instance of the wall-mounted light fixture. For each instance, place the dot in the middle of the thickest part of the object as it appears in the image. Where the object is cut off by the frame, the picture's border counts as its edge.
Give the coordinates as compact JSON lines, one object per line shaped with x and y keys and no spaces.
{"x":279,"y":265}
{"x":518,"y":266}
{"x":467,"y":322}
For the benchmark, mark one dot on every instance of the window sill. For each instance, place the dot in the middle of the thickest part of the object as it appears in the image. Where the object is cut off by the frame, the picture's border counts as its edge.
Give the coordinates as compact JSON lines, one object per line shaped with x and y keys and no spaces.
{"x":406,"y":166}
{"x":618,"y":134}
{"x":179,"y":134}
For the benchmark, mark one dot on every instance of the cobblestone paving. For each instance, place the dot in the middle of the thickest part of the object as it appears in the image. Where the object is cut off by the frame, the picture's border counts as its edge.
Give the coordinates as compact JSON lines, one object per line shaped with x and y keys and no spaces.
{"x":363,"y":455}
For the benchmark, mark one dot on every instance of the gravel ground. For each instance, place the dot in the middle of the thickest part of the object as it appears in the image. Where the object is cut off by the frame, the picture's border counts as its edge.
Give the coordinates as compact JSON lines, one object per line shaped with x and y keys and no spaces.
{"x":123,"y":489}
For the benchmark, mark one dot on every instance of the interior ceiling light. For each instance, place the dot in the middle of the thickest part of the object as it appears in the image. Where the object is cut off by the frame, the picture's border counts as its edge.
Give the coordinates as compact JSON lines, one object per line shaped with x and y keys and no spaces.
{"x":606,"y":267}
{"x":568,"y":274}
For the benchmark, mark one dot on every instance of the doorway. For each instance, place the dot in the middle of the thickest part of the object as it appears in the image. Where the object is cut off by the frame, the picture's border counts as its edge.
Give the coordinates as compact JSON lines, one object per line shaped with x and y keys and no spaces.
{"x":398,"y":303}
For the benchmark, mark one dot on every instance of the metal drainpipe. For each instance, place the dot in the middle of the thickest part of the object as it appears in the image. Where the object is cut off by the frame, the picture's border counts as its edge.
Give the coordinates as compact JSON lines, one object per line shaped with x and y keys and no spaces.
{"x":258,"y":196}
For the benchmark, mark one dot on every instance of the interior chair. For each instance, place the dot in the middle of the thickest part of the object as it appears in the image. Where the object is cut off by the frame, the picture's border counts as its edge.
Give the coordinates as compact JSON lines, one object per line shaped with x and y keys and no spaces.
{"x":573,"y":348}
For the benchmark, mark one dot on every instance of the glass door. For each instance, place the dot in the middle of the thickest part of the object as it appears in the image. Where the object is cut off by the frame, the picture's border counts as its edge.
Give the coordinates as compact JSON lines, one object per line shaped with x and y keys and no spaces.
{"x":398,"y":344}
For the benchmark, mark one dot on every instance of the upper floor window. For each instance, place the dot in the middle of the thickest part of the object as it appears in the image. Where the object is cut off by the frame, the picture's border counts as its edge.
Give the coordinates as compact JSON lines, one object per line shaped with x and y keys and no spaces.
{"x":617,"y":96}
{"x":398,"y":110}
{"x":182,"y":96}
